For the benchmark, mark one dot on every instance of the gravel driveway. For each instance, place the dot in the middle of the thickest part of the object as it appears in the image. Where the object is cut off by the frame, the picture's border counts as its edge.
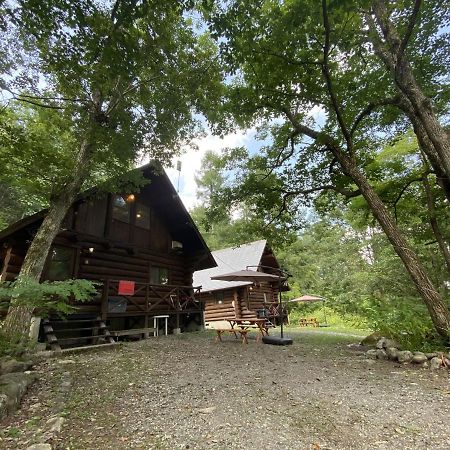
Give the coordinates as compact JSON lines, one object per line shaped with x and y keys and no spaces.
{"x":187,"y":391}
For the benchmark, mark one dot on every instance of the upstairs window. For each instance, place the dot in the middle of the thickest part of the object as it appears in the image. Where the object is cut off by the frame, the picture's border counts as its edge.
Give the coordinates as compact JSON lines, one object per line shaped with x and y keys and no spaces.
{"x":60,"y":266}
{"x":142,"y":216}
{"x":159,"y":275}
{"x":122,"y":207}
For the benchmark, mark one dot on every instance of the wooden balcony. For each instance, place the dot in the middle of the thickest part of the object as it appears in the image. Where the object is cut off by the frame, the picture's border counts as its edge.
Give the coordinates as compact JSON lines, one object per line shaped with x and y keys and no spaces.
{"x":148,"y":299}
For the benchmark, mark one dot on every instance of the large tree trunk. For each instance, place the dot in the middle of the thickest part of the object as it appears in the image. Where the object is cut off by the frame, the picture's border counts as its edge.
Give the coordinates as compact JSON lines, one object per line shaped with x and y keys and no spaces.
{"x":435,"y":225}
{"x":437,"y":308}
{"x":18,"y":320}
{"x":392,"y":53}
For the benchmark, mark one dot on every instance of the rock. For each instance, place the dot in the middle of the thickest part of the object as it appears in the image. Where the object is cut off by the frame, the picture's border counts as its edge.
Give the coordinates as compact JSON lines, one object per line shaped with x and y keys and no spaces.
{"x":381,"y":354}
{"x":12,"y":365}
{"x":419,"y":358}
{"x":435,"y":363}
{"x":426,"y":364}
{"x":380,"y":343}
{"x":12,"y":388}
{"x":372,"y":339}
{"x":431,"y":355}
{"x":404,"y":356}
{"x":392,"y":353}
{"x":447,"y":363}
{"x":55,"y":424}
{"x":390,"y":343}
{"x":371,"y":354}
{"x":207,"y":410}
{"x":66,"y":361}
{"x":40,"y":447}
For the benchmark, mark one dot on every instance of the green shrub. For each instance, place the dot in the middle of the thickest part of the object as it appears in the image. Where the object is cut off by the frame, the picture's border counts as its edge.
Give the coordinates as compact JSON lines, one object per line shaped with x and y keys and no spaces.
{"x":48,"y":296}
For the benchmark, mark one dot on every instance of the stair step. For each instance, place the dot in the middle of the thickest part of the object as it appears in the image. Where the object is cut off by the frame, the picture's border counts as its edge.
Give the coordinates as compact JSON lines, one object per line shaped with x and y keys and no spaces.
{"x":74,"y":340}
{"x":61,"y":330}
{"x":89,"y":347}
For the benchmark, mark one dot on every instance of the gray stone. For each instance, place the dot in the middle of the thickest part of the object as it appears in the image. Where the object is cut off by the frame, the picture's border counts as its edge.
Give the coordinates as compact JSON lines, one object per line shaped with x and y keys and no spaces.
{"x":55,"y":424}
{"x":404,"y":356}
{"x":12,"y":365}
{"x":419,"y":358}
{"x":371,"y":354}
{"x":371,"y":340}
{"x":431,"y":355}
{"x":435,"y":363}
{"x":12,"y":388}
{"x":381,"y":354}
{"x":40,"y":447}
{"x":392,"y":353}
{"x":66,"y":361}
{"x":390,"y":343}
{"x":380,"y":343}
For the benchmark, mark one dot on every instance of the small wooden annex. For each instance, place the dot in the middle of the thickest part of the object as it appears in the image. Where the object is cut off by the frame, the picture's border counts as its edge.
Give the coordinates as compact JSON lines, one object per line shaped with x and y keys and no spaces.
{"x":238,"y":299}
{"x":147,"y":238}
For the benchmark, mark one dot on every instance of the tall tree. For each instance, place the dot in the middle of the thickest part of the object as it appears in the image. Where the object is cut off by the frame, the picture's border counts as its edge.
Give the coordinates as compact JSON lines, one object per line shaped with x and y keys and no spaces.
{"x":126,"y":77}
{"x":291,"y":58}
{"x":397,"y":31}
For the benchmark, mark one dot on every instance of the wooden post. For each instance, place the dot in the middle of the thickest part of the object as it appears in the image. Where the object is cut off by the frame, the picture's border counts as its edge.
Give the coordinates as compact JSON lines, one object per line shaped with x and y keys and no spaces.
{"x":237,"y":306}
{"x":105,"y":294}
{"x":5,"y":264}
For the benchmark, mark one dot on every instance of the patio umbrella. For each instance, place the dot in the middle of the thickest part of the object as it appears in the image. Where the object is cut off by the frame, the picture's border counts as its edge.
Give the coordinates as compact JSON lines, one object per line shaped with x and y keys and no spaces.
{"x":311,"y":299}
{"x":255,"y":276}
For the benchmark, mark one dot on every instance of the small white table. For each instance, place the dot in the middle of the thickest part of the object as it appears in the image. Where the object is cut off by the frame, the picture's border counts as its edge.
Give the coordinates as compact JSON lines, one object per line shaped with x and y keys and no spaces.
{"x":155,"y":325}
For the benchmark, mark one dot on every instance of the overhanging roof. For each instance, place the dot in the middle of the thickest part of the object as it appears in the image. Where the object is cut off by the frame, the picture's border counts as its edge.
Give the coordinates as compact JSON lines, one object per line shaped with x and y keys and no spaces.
{"x":230,"y":260}
{"x":168,"y":206}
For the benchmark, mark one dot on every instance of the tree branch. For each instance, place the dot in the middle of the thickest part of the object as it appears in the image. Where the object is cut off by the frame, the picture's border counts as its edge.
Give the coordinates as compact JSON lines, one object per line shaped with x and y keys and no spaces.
{"x":327,"y":76}
{"x":411,"y":23}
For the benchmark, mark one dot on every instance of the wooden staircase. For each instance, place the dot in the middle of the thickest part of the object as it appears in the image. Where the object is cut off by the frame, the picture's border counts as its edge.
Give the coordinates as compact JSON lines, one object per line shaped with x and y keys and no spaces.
{"x":75,"y":332}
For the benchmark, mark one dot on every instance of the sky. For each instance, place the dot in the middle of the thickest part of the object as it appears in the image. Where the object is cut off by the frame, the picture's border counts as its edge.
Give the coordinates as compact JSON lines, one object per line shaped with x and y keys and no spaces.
{"x":191,"y":161}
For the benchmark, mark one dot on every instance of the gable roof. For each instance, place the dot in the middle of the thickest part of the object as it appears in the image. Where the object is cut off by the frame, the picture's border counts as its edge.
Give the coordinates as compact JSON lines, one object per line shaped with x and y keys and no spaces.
{"x":230,"y":260}
{"x":167,"y":204}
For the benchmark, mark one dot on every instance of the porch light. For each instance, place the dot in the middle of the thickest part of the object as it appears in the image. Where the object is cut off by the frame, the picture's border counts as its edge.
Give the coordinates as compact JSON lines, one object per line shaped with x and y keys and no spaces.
{"x":91,"y":249}
{"x":130,"y":198}
{"x":138,"y":215}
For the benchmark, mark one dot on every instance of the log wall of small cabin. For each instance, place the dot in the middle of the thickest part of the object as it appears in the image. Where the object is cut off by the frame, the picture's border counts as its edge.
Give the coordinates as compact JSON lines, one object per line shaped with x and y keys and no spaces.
{"x":11,"y":261}
{"x":254,"y":299}
{"x":215,"y":311}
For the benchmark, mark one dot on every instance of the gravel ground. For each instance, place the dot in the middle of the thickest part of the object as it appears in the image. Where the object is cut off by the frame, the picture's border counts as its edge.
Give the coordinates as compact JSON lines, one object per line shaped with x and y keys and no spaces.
{"x":187,"y":391}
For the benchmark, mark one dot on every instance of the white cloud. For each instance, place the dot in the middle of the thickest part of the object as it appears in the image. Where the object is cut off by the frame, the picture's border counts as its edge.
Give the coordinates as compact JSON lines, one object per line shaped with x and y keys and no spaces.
{"x":191,"y":161}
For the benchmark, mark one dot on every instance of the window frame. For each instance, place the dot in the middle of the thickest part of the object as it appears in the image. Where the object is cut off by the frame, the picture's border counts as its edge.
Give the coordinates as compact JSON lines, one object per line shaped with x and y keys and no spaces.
{"x":71,"y":260}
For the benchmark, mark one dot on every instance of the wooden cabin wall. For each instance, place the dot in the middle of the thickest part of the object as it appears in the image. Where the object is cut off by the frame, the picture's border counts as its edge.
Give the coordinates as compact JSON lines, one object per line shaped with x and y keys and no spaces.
{"x":214,"y":311}
{"x":256,"y":300}
{"x":12,"y":259}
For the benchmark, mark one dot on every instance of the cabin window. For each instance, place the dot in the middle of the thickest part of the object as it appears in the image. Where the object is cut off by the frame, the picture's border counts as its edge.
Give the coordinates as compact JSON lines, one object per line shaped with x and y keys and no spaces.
{"x":122,"y":208}
{"x":60,"y":265}
{"x":142,"y":216}
{"x":218,"y":298}
{"x":159,"y":275}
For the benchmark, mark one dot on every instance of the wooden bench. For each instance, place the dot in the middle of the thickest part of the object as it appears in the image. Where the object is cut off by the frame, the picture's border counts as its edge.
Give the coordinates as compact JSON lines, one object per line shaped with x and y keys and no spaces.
{"x":132,"y":332}
{"x":221,"y":331}
{"x":306,"y":322}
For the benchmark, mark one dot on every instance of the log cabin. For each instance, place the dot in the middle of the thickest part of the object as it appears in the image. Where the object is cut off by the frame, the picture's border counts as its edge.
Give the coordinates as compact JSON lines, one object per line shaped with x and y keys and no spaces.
{"x":143,"y":247}
{"x":225,"y":300}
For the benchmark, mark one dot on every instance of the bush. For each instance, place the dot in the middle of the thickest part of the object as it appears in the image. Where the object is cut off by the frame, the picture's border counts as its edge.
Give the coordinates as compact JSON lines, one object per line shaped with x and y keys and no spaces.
{"x":48,"y":296}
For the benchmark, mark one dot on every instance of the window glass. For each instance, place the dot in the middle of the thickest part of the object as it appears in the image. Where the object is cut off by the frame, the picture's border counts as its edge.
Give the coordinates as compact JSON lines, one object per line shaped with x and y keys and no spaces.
{"x":121,"y":208}
{"x":142,"y":216}
{"x":159,"y":275}
{"x":218,"y":298}
{"x":60,"y":266}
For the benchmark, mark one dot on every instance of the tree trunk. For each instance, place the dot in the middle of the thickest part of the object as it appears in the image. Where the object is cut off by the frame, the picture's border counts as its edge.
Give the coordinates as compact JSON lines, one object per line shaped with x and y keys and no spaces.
{"x":435,"y":225}
{"x":437,"y":308}
{"x":392,"y":53}
{"x":18,"y":320}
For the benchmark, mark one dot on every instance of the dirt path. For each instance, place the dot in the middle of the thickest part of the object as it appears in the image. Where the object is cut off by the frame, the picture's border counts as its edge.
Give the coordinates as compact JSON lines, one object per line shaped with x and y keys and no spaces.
{"x":189,"y":392}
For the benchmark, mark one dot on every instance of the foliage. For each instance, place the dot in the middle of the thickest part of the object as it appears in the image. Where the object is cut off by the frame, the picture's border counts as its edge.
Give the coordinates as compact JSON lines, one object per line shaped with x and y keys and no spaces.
{"x":49,"y":296}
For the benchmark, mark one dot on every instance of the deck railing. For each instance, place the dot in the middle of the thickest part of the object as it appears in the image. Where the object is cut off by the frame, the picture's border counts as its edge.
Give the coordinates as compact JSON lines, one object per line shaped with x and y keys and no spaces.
{"x":149,"y":297}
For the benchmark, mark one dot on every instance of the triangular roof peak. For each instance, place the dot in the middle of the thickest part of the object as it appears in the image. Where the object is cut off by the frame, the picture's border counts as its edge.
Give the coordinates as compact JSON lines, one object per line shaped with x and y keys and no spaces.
{"x":233,"y":259}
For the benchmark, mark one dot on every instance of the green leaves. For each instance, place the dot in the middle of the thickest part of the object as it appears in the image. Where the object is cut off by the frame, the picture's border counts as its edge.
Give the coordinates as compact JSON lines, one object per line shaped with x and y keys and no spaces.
{"x":49,"y":296}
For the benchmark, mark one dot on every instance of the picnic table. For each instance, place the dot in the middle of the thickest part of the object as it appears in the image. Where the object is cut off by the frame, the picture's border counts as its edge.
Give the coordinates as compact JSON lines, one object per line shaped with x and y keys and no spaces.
{"x":242,"y":327}
{"x":305,"y":322}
